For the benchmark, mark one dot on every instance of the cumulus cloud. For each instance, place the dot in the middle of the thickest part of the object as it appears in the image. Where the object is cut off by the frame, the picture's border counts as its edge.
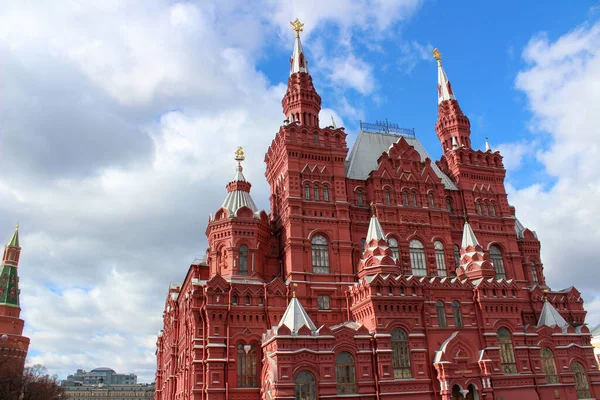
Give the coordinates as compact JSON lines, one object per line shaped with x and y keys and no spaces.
{"x":561,"y":82}
{"x":119,"y":120}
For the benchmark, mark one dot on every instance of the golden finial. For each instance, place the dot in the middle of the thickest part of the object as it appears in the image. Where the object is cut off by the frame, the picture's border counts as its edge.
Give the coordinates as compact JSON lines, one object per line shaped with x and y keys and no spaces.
{"x":437,"y":55}
{"x":373,"y":209}
{"x":297,"y":26}
{"x":239,"y":155}
{"x":294,"y":286}
{"x":545,"y":295}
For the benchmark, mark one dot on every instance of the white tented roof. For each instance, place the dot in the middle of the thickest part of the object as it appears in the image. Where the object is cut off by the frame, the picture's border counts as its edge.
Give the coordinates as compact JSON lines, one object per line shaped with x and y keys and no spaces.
{"x":295,"y":317}
{"x":551,"y":317}
{"x":369,"y":146}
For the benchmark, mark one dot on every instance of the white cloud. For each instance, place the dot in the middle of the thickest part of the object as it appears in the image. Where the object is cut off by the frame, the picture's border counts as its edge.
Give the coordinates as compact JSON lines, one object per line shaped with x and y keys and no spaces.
{"x":514,"y":152}
{"x":353,"y":72}
{"x":119,"y":120}
{"x":561,"y":82}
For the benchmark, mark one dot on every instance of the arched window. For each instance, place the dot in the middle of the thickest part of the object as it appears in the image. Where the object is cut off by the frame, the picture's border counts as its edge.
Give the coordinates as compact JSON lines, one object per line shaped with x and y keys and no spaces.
{"x":363,"y":241}
{"x":493,"y":209}
{"x":247,"y":300}
{"x":457,"y":255}
{"x":534,"y":274}
{"x":316,"y":193}
{"x":307,"y":192}
{"x":497,"y":261}
{"x":325,"y":193}
{"x":234,"y":300}
{"x":320,"y":255}
{"x":359,"y":198}
{"x":246,"y":365}
{"x":440,"y":259}
{"x":405,"y":198}
{"x":388,"y":200}
{"x":549,"y":365}
{"x":486,"y":210}
{"x":431,"y":202}
{"x":440,"y":309}
{"x":414,"y":199}
{"x":507,"y":355}
{"x":479,"y":208}
{"x":449,"y":205}
{"x":417,"y":258}
{"x":344,"y":373}
{"x":581,"y":382}
{"x":315,"y":136}
{"x":400,"y":355}
{"x":305,"y":386}
{"x":458,"y":322}
{"x":243,"y":260}
{"x":394,"y":247}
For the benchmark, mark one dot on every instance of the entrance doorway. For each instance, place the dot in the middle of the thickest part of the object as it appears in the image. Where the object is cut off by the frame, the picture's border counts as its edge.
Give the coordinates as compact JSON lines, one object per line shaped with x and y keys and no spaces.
{"x":458,"y":393}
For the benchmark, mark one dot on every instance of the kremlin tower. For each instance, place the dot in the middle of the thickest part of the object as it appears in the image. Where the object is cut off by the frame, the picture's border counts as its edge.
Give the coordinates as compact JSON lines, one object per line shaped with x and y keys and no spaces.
{"x":377,"y":274}
{"x":13,"y":345}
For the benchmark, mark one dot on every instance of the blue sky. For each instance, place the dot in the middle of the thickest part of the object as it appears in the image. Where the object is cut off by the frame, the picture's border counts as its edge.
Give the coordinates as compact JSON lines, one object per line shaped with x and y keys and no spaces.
{"x":117,"y":142}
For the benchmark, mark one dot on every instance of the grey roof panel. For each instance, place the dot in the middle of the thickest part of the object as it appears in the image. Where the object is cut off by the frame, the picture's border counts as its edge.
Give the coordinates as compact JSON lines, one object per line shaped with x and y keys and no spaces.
{"x":369,"y":146}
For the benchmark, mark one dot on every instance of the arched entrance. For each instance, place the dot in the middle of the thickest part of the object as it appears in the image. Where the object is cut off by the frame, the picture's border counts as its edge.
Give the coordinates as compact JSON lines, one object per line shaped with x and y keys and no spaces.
{"x":458,"y":393}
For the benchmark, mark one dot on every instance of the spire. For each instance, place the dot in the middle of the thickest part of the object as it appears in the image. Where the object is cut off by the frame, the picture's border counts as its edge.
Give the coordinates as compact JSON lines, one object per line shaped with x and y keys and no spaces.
{"x":301,"y":102}
{"x":375,"y":231}
{"x":238,"y":190}
{"x":551,"y":317}
{"x":298,"y":61}
{"x":14,"y":240}
{"x":487,"y":145}
{"x":453,"y":127}
{"x":444,"y":87}
{"x":295,"y":317}
{"x":469,"y":238}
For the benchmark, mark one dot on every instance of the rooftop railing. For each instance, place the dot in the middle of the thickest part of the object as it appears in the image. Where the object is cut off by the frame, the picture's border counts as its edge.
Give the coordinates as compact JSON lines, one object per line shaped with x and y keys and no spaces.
{"x":387,"y":127}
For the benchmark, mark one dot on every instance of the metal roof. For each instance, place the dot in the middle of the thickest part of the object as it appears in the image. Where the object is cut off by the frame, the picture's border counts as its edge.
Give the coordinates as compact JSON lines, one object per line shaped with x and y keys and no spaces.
{"x":369,"y":146}
{"x":295,"y":317}
{"x":551,"y":317}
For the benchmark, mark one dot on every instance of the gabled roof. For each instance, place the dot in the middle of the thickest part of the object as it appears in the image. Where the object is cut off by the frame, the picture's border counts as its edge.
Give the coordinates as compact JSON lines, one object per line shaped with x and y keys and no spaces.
{"x":295,"y":317}
{"x":551,"y":317}
{"x":368,"y":148}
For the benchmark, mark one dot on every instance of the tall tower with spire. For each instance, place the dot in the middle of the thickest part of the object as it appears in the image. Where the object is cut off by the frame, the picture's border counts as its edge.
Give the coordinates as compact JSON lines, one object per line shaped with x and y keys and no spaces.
{"x":13,"y":345}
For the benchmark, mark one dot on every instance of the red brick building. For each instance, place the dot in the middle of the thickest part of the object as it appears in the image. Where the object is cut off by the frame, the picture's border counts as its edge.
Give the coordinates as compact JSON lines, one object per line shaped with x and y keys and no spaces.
{"x":328,"y":296}
{"x":13,"y":345}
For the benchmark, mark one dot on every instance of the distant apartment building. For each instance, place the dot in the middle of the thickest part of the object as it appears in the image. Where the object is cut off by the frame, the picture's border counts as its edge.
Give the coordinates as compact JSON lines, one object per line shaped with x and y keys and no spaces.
{"x":106,"y":376}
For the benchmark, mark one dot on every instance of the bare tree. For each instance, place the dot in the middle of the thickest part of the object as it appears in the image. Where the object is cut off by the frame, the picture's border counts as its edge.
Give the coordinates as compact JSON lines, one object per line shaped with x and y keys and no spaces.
{"x":29,"y":383}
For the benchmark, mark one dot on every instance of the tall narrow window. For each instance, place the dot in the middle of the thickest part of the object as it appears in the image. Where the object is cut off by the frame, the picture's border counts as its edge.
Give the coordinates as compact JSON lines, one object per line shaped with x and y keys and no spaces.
{"x":414,"y":199}
{"x":307,"y":192}
{"x":534,"y":274}
{"x":246,"y":365}
{"x":486,"y":210}
{"x":345,"y":375}
{"x":479,"y":208}
{"x":497,"y":261}
{"x":323,"y":302}
{"x":417,"y":258}
{"x":449,"y":205}
{"x":507,"y":355}
{"x":440,"y":259}
{"x":320,"y":255}
{"x":363,"y":241}
{"x":440,"y":310}
{"x":359,"y":198}
{"x":493,"y":209}
{"x":581,"y":383}
{"x":400,"y":355}
{"x":305,"y":386}
{"x":388,"y":200}
{"x":457,"y":255}
{"x":394,"y":247}
{"x":405,"y":198}
{"x":243,"y":260}
{"x":458,"y":322}
{"x":431,"y":202}
{"x":549,"y":365}
{"x":325,"y":193}
{"x":317,"y":193}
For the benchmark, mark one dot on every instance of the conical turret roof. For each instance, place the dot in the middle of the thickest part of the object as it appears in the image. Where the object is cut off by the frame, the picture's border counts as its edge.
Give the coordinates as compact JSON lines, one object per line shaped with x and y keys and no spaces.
{"x":551,"y":317}
{"x":468,"y":238}
{"x":295,"y":317}
{"x":14,"y":240}
{"x":298,"y":62}
{"x":444,"y":87}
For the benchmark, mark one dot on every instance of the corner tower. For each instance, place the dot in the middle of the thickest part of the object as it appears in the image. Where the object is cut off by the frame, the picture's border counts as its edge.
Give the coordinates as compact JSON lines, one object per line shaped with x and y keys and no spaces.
{"x":13,"y":344}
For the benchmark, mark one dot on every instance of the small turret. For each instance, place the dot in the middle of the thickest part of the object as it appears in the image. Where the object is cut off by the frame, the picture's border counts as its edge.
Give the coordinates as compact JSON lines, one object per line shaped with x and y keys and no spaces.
{"x":377,"y":256}
{"x":474,"y":263}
